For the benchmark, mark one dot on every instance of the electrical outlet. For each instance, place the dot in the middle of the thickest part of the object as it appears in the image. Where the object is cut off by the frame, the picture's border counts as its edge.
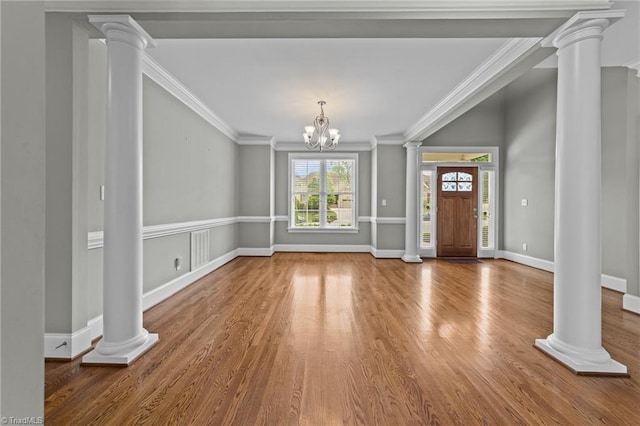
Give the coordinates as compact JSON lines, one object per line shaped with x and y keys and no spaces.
{"x":384,"y":203}
{"x":177,"y":263}
{"x":524,"y":202}
{"x":524,"y":246}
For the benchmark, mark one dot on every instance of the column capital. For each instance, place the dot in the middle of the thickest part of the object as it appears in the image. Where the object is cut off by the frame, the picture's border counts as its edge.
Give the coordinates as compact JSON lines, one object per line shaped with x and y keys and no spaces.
{"x":581,"y":26}
{"x":412,"y":145}
{"x":122,"y":28}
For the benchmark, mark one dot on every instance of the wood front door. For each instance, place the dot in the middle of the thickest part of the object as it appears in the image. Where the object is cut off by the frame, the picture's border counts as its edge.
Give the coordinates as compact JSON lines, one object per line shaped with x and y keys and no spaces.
{"x":457,"y":211}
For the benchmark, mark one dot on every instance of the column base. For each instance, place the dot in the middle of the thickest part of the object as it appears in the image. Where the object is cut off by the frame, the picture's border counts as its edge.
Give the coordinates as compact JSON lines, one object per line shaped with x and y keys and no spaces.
{"x":411,"y":258}
{"x":580,"y":366}
{"x":121,"y":359}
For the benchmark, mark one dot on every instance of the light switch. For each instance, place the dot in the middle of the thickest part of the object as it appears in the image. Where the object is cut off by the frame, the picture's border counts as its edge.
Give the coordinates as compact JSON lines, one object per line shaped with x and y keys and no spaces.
{"x":101,"y":192}
{"x":384,"y":203}
{"x":524,"y":202}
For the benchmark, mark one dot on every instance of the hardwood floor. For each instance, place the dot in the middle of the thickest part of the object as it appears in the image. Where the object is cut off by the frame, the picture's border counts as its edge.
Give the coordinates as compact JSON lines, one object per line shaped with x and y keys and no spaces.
{"x":320,"y":339}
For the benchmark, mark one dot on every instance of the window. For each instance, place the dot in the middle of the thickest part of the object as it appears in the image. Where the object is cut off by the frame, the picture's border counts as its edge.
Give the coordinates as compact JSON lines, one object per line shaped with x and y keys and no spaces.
{"x":323,"y":192}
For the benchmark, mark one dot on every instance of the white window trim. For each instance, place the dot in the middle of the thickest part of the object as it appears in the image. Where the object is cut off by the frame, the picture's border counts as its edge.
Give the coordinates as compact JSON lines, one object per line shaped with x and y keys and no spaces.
{"x":493,"y":165}
{"x":324,"y":156}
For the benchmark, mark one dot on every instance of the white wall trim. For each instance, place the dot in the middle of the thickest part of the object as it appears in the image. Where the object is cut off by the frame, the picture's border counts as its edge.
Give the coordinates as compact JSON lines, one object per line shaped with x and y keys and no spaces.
{"x":281,"y":218}
{"x":159,"y":294}
{"x":607,"y":281}
{"x":389,"y":220}
{"x":342,"y":147}
{"x":324,"y":248}
{"x":614,"y":283}
{"x":67,"y":345}
{"x":503,"y":59}
{"x":445,"y":8}
{"x":545,"y":265}
{"x":635,"y":65}
{"x":365,"y":219}
{"x":167,"y":81}
{"x":388,"y":140}
{"x":254,"y":219}
{"x":631,"y":303}
{"x":256,"y":140}
{"x":256,"y":251}
{"x":96,"y":239}
{"x":386,"y":254}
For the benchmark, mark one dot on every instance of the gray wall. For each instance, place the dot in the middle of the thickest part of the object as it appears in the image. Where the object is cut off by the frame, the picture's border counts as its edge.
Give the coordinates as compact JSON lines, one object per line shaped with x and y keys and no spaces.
{"x":254,"y":177}
{"x":530,"y":168}
{"x":633,"y":183}
{"x":614,"y":171}
{"x":390,"y":182}
{"x":66,"y":175}
{"x":484,"y":125}
{"x":530,"y":133}
{"x":189,"y":172}
{"x":282,"y":236}
{"x":22,"y":226}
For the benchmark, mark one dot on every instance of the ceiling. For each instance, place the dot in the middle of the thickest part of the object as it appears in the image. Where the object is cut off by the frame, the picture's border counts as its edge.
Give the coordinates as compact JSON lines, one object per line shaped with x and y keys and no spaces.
{"x":373,"y":86}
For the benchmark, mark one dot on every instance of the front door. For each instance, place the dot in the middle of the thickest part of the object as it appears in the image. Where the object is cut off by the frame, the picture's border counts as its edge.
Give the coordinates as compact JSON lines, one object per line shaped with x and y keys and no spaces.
{"x":457,"y":211}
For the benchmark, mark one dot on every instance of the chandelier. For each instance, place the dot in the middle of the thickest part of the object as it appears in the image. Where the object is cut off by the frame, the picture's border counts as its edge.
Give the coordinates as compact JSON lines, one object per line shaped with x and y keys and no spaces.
{"x":320,"y":126}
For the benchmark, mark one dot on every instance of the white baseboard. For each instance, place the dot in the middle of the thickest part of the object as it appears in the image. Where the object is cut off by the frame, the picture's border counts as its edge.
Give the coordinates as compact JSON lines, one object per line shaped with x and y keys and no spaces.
{"x":608,"y":281}
{"x":335,"y":248}
{"x":157,"y":295}
{"x":386,"y":254}
{"x":255,"y":251}
{"x":631,"y":303}
{"x":545,"y":265}
{"x":67,"y":345}
{"x":614,"y":283}
{"x":95,"y":324}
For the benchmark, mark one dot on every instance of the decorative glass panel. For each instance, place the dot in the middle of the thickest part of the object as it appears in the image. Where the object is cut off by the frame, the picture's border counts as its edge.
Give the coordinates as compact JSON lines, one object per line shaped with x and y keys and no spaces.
{"x":464,"y":177}
{"x":448,"y":186}
{"x":465,"y":186}
{"x":425,"y":222}
{"x":487,"y":226}
{"x":449,"y":177}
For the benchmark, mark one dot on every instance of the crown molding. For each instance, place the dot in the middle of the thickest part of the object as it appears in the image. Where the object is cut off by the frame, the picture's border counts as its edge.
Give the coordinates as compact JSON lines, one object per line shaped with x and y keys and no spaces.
{"x":387,"y":140}
{"x":167,"y":81}
{"x":342,"y":147}
{"x":510,"y":54}
{"x":635,"y":65}
{"x":443,"y":8}
{"x":256,"y":140}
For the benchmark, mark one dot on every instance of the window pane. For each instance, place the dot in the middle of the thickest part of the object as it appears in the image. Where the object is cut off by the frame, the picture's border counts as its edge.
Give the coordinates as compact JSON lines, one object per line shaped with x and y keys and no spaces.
{"x":425,"y":223}
{"x":464,"y":177}
{"x":487,"y":228}
{"x":339,"y":214}
{"x":465,"y":186}
{"x":306,"y":175}
{"x":339,"y":175}
{"x":449,"y":177}
{"x":307,"y":210}
{"x":448,"y":186}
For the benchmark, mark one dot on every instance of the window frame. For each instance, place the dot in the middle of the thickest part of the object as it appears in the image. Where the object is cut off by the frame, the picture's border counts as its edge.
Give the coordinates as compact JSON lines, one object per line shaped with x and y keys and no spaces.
{"x":322,"y":157}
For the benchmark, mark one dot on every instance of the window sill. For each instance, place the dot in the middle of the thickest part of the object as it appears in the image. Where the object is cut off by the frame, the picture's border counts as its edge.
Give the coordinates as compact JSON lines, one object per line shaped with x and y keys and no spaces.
{"x":323,"y":230}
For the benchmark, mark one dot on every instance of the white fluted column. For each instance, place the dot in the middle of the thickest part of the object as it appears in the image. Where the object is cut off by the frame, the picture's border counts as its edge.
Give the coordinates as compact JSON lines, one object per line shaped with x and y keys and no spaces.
{"x":411,"y":213}
{"x":124,"y":338}
{"x":576,"y":340}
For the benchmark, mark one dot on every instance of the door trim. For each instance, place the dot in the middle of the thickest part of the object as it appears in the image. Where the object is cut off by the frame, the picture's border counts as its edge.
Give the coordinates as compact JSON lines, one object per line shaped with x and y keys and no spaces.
{"x":493,"y":165}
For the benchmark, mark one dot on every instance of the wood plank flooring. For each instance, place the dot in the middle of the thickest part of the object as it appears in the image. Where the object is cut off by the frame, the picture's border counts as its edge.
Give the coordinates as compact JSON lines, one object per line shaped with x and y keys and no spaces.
{"x":323,"y":339}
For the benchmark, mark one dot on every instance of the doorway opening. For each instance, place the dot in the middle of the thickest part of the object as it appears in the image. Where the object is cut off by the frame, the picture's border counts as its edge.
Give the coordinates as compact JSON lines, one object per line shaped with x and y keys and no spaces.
{"x":458,"y":201}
